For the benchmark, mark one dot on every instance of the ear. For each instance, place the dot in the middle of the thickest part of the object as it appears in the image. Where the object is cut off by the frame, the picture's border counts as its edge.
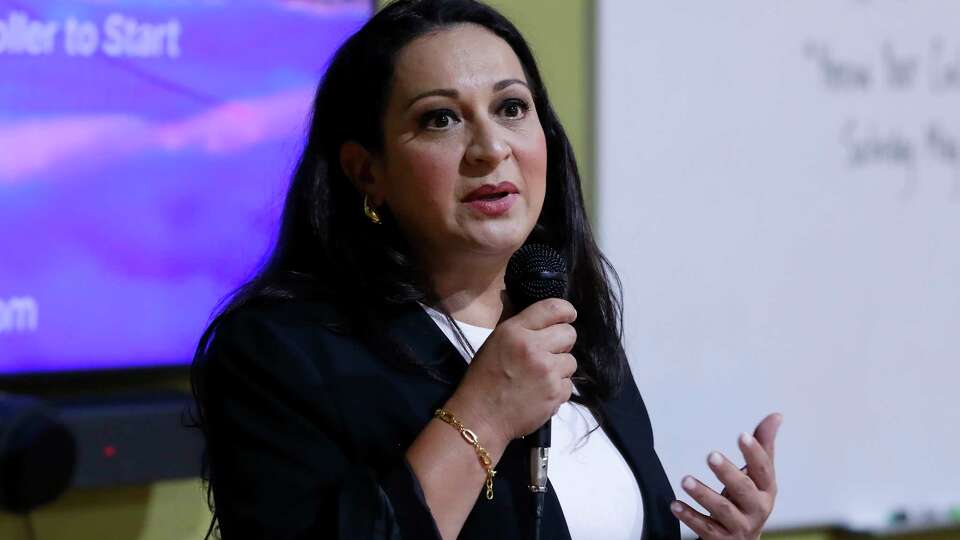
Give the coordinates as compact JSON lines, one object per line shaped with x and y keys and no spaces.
{"x":362,"y":168}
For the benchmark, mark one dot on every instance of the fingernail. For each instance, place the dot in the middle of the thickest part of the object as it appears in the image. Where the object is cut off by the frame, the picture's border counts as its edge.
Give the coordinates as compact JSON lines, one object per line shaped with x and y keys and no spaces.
{"x":715,"y":459}
{"x":746,"y":439}
{"x":676,"y":507}
{"x":689,"y":483}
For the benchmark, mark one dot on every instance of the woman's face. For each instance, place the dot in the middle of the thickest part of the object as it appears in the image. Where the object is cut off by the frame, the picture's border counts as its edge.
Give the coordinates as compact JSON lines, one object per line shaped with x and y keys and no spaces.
{"x":460,"y":116}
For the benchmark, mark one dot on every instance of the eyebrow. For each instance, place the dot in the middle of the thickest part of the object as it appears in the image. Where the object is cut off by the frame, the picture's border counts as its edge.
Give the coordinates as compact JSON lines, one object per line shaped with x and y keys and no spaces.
{"x":451,"y":93}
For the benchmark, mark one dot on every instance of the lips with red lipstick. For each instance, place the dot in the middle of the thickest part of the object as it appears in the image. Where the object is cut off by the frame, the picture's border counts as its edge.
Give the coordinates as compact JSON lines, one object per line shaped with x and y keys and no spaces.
{"x":491,"y":192}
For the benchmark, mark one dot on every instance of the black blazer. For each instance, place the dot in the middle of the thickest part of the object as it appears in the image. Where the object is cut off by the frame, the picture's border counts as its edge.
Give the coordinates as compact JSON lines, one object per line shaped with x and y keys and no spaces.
{"x":307,"y":431}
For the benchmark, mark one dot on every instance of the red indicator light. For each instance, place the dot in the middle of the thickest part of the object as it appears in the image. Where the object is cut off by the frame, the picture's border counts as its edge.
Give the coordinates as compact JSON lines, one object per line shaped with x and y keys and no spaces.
{"x":109,"y":451}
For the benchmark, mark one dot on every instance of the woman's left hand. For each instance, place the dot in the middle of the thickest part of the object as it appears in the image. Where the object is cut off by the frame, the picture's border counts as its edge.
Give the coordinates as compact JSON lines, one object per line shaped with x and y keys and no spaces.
{"x":739,"y":512}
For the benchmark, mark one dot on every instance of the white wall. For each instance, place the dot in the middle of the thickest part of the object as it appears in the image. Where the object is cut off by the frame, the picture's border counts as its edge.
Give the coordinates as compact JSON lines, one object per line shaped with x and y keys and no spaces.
{"x":782,"y":202}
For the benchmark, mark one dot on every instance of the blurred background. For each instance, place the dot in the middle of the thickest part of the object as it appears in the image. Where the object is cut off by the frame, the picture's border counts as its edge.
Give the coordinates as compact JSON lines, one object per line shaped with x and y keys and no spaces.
{"x":777,"y":184}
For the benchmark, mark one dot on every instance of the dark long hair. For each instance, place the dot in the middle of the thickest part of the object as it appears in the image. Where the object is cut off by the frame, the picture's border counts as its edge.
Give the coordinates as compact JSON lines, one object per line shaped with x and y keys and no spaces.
{"x":327,"y":249}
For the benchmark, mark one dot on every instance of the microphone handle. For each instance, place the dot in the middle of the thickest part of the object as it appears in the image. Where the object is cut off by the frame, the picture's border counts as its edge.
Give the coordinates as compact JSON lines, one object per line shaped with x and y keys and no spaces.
{"x":542,"y":436}
{"x":539,"y":456}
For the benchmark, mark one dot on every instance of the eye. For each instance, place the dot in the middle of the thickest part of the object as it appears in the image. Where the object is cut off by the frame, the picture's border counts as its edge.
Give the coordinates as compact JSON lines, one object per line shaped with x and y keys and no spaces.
{"x":438,"y":119}
{"x":515,"y":108}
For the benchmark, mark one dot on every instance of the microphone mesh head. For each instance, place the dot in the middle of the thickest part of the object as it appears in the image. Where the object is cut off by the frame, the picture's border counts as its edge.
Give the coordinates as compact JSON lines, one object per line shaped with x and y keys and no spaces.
{"x":535,"y":272}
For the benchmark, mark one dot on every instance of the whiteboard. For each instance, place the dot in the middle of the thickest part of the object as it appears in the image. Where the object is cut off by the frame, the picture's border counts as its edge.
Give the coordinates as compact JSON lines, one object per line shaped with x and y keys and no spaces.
{"x":779,"y":189}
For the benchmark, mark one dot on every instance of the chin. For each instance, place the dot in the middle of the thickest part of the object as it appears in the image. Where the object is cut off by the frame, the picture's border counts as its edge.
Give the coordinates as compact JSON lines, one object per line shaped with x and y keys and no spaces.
{"x":505,"y":243}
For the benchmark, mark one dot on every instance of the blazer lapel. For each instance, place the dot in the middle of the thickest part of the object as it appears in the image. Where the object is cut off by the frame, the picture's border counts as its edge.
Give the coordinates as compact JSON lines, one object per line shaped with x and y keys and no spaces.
{"x":413,"y":326}
{"x":629,"y":430}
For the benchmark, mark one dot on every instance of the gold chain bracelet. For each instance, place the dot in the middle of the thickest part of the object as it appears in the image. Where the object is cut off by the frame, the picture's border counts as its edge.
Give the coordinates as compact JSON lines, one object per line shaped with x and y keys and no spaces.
{"x":471,"y":438}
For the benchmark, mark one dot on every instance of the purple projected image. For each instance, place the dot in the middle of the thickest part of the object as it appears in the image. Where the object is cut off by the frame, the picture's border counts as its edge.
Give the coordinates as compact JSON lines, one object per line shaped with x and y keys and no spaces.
{"x":144,"y":152}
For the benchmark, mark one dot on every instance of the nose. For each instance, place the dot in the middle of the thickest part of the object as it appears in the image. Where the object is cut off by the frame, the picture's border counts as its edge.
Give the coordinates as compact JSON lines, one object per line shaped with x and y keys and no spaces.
{"x":488,"y":145}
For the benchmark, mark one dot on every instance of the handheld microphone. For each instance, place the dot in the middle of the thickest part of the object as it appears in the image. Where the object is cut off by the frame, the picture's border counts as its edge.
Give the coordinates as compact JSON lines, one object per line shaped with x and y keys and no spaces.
{"x":536,"y":272}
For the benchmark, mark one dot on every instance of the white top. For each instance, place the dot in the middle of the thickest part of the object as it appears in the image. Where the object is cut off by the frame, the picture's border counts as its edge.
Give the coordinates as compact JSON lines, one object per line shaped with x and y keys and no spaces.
{"x":597,"y":491}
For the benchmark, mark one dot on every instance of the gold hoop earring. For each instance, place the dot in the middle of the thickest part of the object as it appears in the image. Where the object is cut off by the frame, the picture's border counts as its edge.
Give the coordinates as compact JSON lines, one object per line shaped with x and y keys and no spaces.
{"x":370,"y":212}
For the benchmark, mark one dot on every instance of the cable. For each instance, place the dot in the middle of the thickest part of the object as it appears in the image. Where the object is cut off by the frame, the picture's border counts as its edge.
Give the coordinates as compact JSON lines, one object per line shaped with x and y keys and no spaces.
{"x":538,"y":500}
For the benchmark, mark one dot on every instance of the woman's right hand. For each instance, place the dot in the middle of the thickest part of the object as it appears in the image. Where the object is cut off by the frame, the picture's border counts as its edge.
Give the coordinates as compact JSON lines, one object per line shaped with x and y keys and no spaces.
{"x":521,"y":375}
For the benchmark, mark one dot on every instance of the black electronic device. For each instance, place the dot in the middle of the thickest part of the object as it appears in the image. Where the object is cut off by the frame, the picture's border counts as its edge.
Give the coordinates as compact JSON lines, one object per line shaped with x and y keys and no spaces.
{"x":131,"y":440}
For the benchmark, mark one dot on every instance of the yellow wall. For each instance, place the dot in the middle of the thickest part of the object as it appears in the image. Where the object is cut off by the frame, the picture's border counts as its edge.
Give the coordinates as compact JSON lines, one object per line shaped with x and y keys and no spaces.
{"x":560,"y":32}
{"x":561,"y":35}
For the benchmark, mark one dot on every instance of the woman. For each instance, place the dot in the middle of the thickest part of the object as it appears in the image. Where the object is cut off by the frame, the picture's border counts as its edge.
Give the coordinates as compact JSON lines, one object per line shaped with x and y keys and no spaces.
{"x":335,"y":387}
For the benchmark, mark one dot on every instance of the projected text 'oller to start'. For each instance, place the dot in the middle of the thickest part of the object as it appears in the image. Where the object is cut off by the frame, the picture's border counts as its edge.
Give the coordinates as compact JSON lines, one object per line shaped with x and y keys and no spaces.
{"x":117,"y":36}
